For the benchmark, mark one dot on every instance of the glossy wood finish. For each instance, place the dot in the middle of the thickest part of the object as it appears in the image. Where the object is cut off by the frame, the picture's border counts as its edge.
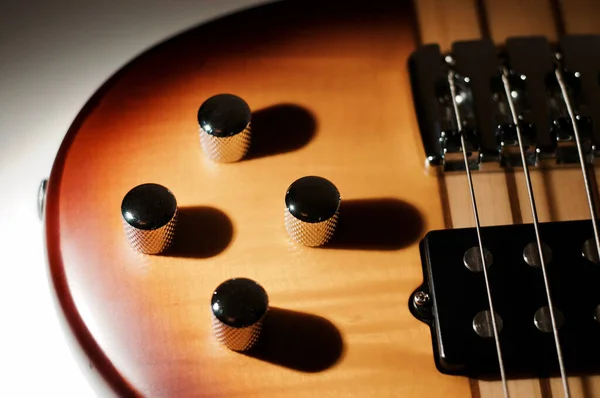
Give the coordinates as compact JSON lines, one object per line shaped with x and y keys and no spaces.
{"x":335,"y":81}
{"x":331,"y":96}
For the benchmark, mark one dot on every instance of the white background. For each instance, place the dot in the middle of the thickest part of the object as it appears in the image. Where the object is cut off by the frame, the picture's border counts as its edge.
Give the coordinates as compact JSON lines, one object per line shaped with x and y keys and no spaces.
{"x":53,"y":55}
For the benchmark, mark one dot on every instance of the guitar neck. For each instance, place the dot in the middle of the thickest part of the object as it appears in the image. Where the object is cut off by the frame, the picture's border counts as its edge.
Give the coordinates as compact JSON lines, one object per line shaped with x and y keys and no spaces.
{"x":502,"y":198}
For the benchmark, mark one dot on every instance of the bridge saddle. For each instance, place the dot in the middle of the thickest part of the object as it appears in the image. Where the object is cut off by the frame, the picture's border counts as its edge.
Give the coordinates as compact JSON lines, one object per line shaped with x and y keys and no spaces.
{"x":491,"y":141}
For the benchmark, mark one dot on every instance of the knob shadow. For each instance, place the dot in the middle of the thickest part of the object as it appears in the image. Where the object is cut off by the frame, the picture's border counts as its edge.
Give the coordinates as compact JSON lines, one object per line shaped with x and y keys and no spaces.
{"x":298,"y":340}
{"x":201,"y":232}
{"x":279,"y":129}
{"x":376,"y":224}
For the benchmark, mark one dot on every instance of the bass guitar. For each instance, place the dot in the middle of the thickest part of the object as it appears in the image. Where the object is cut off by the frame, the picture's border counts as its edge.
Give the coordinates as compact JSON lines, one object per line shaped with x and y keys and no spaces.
{"x":356,"y":199}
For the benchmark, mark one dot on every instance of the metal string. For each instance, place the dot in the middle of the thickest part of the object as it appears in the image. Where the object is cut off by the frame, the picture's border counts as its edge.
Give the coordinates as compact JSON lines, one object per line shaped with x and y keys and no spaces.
{"x":478,"y":227}
{"x":588,"y":188}
{"x":513,"y":113}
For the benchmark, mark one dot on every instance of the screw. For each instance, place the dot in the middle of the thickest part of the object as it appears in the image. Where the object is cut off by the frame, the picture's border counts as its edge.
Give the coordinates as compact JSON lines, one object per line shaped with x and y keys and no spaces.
{"x":421,"y":298}
{"x":41,"y":198}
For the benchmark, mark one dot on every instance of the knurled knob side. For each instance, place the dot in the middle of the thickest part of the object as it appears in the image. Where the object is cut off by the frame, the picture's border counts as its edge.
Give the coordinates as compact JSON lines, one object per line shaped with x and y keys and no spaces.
{"x":238,"y":307}
{"x":312,"y":207}
{"x":149,"y":217}
{"x":225,"y":128}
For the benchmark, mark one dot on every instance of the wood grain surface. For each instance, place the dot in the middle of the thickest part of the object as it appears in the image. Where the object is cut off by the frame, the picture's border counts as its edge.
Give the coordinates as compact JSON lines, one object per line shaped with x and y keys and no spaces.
{"x":330,"y":94}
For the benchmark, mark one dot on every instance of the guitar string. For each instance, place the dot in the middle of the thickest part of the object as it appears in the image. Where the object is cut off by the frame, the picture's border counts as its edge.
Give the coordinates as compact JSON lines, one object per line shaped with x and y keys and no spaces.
{"x":478,"y":228}
{"x":534,"y":215}
{"x":586,"y":181}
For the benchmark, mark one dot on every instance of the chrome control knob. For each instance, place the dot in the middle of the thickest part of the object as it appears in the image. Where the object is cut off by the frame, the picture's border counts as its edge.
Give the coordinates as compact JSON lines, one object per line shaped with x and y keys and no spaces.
{"x":238,"y":307}
{"x":149,"y":214}
{"x":312,"y":207}
{"x":225,"y":130}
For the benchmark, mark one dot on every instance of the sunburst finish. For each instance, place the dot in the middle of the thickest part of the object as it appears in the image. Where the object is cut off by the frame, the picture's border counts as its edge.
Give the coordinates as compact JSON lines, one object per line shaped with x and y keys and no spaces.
{"x":330,"y":95}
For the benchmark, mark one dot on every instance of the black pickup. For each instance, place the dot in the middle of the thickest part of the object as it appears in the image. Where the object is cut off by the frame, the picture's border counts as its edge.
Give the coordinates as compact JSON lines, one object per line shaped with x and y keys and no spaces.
{"x":530,"y":63}
{"x":456,"y":294}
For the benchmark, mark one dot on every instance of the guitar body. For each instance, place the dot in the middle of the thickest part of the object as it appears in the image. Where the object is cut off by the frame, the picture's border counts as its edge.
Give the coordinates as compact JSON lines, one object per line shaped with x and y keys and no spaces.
{"x":331,"y":96}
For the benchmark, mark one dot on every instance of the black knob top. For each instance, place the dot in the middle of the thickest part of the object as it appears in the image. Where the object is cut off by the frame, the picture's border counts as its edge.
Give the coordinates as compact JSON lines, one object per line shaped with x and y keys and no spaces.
{"x":312,"y":199}
{"x":224,"y":115}
{"x":148,"y":206}
{"x":239,"y":302}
